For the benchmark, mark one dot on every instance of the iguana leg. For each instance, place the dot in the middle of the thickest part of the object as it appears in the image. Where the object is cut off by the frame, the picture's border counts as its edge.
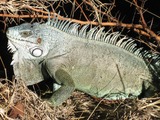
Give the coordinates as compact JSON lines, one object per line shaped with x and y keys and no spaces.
{"x":66,"y":89}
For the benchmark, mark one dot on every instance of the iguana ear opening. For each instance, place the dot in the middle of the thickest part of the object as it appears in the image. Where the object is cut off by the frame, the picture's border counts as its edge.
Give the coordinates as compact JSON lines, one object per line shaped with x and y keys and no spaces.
{"x":36,"y":52}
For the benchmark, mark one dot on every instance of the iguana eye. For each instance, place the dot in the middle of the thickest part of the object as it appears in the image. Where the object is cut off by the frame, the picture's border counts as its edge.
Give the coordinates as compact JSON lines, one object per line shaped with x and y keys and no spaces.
{"x":36,"y":52}
{"x":25,"y":33}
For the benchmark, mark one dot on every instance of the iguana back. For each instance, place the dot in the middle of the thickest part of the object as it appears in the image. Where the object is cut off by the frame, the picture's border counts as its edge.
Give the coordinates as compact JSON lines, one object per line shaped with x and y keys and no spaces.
{"x":99,"y":69}
{"x":101,"y":64}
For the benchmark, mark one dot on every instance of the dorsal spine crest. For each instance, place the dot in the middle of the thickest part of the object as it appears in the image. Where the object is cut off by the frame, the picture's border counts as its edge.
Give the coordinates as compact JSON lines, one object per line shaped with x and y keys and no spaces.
{"x":98,"y":34}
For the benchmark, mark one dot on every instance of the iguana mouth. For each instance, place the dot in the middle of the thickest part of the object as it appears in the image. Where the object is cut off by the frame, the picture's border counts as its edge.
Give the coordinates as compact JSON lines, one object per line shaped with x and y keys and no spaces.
{"x":11,"y":47}
{"x":13,"y":42}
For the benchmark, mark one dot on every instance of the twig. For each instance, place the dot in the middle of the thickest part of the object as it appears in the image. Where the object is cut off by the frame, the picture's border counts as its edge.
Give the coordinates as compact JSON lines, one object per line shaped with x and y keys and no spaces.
{"x":79,"y":6}
{"x":5,"y":70}
{"x":141,"y":13}
{"x":94,"y":109}
{"x":144,"y":9}
{"x":150,"y":104}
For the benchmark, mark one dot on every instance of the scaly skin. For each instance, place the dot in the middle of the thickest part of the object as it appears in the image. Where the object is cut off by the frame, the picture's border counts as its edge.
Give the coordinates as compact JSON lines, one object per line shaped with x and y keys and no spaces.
{"x":97,"y":71}
{"x":77,"y":62}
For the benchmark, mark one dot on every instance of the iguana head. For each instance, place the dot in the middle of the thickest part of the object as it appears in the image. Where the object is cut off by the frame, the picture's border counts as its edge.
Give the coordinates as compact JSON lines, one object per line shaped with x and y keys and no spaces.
{"x":29,"y":40}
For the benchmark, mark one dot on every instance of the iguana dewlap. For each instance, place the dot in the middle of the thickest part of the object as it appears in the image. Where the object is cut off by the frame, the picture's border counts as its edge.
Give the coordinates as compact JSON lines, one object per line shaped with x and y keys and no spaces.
{"x":98,"y":63}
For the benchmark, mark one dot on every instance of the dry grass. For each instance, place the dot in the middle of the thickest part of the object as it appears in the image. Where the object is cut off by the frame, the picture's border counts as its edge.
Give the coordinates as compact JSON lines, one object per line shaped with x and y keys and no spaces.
{"x":18,"y":102}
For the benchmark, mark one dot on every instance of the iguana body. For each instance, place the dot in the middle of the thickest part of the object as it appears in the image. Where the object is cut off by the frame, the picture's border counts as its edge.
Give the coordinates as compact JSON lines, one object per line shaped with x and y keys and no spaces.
{"x":98,"y":63}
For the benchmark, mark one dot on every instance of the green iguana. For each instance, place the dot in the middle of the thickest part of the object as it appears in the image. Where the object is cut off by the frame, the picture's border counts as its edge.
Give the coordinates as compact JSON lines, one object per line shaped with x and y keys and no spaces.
{"x":102,"y":64}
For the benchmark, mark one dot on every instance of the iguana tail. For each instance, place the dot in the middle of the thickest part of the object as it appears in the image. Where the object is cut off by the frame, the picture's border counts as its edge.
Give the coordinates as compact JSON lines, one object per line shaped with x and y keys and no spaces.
{"x":153,"y":62}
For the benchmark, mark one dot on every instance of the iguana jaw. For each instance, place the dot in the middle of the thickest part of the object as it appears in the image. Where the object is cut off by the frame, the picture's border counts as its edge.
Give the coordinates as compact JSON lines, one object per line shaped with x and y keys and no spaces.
{"x":13,"y":44}
{"x":11,"y":47}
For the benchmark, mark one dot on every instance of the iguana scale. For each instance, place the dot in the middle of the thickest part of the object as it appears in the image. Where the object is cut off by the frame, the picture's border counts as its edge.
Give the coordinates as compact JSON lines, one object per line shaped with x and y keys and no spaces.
{"x":100,"y":63}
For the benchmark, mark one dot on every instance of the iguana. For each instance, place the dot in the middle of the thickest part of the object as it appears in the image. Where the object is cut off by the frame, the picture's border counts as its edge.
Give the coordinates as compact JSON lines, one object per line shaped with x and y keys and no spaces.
{"x":102,"y":64}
